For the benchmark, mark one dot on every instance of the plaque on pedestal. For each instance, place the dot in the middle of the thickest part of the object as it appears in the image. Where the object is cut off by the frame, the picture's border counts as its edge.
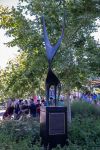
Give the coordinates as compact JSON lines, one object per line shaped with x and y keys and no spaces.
{"x":56,"y":123}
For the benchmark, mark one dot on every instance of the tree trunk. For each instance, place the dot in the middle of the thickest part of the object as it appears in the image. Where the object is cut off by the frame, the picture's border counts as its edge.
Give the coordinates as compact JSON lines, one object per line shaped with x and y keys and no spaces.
{"x":68,"y":104}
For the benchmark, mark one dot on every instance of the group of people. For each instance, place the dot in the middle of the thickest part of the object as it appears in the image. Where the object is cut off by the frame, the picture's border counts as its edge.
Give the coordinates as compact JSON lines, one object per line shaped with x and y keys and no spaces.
{"x":90,"y":98}
{"x":87,"y":96}
{"x":16,"y":109}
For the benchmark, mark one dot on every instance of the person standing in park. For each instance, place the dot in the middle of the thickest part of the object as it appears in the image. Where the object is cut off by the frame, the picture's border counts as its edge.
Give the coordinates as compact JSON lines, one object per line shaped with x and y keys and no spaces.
{"x":9,"y":109}
{"x":38,"y":107}
{"x":32,"y":108}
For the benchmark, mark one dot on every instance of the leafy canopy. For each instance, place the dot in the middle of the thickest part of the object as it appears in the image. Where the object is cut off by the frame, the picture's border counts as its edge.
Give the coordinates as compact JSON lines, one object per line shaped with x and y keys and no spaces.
{"x":78,"y":56}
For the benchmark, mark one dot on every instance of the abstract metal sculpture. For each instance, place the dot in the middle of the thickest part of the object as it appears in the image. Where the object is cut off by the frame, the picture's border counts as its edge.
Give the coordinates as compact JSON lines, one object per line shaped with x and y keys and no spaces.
{"x":51,"y":51}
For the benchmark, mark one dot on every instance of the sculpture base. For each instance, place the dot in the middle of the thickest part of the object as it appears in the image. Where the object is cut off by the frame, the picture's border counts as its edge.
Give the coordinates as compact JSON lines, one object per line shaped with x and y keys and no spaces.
{"x":53,"y":126}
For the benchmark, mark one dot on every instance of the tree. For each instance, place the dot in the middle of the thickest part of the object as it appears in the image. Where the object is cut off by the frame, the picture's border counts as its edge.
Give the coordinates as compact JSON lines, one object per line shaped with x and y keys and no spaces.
{"x":75,"y":58}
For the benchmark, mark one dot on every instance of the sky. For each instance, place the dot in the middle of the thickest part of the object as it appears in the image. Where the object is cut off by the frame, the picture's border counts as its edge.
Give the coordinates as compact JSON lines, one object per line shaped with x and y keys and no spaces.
{"x":7,"y":53}
{"x":8,"y":3}
{"x":97,"y":34}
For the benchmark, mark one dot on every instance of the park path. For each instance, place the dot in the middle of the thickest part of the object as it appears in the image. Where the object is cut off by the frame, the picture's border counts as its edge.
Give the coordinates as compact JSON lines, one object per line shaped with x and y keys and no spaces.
{"x":1,"y":113}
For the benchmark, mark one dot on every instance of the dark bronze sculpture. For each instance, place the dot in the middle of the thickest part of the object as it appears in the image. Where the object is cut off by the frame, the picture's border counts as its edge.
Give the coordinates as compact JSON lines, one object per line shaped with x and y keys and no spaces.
{"x":50,"y":132}
{"x":51,"y":51}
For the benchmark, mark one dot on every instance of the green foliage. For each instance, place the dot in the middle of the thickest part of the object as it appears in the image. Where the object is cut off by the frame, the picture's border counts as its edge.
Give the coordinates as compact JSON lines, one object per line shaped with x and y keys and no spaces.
{"x":20,"y":135}
{"x":22,"y":77}
{"x":77,"y":58}
{"x":85,"y":109}
{"x":83,"y":134}
{"x":85,"y":131}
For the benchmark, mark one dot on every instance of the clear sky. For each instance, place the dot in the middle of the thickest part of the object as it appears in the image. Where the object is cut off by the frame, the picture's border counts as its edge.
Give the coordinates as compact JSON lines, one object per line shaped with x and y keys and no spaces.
{"x":6,"y":53}
{"x":8,"y":3}
{"x":97,"y":34}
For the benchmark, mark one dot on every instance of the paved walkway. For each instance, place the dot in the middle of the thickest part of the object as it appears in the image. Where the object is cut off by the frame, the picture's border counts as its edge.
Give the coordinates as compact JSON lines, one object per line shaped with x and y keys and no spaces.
{"x":1,"y":113}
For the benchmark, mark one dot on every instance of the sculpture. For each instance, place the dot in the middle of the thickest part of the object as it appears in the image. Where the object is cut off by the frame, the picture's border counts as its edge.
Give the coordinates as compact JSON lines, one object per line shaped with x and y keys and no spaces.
{"x":51,"y":51}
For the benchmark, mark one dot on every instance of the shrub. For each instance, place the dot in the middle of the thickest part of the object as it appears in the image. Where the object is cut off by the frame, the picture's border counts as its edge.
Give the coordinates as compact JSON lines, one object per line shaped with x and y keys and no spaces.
{"x":83,"y":134}
{"x":85,"y":109}
{"x":85,"y":127}
{"x":19,"y":135}
{"x":85,"y":131}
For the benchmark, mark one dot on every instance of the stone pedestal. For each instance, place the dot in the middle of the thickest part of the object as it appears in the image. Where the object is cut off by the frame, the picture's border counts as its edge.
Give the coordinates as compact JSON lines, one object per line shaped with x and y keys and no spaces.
{"x":53,"y":126}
